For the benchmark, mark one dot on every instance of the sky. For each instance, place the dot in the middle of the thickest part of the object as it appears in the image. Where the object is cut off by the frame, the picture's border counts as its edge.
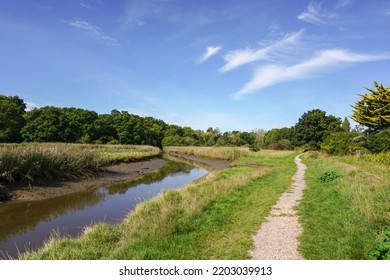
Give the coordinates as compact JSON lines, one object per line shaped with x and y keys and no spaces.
{"x":228,"y":64}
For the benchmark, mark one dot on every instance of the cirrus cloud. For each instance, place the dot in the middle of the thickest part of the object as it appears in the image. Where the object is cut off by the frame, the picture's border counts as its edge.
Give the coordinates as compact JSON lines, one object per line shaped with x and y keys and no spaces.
{"x":93,"y":31}
{"x":326,"y":60}
{"x":240,"y":57}
{"x":210,"y":51}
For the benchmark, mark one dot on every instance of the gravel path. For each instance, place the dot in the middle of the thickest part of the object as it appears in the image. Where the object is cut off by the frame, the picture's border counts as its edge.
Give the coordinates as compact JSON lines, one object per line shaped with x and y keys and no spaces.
{"x":277,"y":237}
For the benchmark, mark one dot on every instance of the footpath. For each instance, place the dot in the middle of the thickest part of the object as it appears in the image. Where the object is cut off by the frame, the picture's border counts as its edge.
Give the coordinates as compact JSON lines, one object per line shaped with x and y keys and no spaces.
{"x":277,"y":238}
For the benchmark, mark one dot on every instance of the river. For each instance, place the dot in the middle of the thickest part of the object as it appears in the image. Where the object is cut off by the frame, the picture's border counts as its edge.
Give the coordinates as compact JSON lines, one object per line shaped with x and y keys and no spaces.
{"x":27,"y":225}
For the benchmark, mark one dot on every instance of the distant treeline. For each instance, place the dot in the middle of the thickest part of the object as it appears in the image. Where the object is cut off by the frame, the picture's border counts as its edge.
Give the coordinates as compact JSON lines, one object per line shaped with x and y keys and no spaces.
{"x":314,"y":129}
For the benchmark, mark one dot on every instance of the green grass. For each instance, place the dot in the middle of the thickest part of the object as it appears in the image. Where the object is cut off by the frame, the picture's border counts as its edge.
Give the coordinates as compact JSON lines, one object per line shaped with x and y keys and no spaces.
{"x":224,"y":153}
{"x":211,"y":219}
{"x":37,"y":162}
{"x":343,"y":218}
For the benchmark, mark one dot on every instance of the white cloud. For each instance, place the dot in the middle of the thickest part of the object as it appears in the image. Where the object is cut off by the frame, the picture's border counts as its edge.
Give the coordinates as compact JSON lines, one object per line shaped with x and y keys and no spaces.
{"x":240,"y":57}
{"x":315,"y":15}
{"x":93,"y":31}
{"x":325,"y":60}
{"x":30,"y":105}
{"x":343,"y":3}
{"x":210,"y":51}
{"x":85,"y":5}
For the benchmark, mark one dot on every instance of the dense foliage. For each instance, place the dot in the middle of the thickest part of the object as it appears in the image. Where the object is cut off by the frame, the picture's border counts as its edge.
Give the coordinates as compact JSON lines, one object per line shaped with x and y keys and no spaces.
{"x":11,"y":118}
{"x":314,"y":126}
{"x":373,"y":109}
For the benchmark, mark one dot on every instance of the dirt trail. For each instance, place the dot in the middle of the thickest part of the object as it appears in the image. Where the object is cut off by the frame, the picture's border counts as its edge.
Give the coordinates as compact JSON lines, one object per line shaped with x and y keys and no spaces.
{"x":277,"y":238}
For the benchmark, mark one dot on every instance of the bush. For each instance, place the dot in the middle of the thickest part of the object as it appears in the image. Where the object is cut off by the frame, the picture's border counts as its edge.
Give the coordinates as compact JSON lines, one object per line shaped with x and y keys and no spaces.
{"x":340,"y":143}
{"x":379,"y":142}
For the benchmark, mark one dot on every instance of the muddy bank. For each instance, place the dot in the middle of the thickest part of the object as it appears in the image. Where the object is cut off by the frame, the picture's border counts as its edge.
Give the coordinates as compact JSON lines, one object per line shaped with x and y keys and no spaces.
{"x":109,"y":175}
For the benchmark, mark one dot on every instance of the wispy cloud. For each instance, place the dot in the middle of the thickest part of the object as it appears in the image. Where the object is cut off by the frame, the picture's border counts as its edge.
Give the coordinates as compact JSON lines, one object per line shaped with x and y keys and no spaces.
{"x":85,"y":5}
{"x":324,"y":61}
{"x":315,"y":14}
{"x":93,"y":31}
{"x":138,"y":12}
{"x":343,"y":3}
{"x":240,"y":57}
{"x":210,"y":51}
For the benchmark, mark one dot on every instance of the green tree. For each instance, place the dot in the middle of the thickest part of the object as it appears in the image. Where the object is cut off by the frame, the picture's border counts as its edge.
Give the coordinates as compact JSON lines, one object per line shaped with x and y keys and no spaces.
{"x":373,"y":109}
{"x":79,"y":124}
{"x":340,"y":143}
{"x":379,"y":142}
{"x":346,"y":126}
{"x":45,"y":124}
{"x":314,"y":126}
{"x":12,"y":121}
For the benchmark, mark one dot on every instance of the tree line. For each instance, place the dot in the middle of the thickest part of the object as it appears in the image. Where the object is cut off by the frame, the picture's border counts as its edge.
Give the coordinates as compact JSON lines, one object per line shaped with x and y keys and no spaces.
{"x":315,"y":129}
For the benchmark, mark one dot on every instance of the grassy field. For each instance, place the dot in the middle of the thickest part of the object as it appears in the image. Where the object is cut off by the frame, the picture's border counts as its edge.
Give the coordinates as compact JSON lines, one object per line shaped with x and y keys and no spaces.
{"x":211,"y":219}
{"x":345,"y":210}
{"x":37,"y":162}
{"x":225,"y":153}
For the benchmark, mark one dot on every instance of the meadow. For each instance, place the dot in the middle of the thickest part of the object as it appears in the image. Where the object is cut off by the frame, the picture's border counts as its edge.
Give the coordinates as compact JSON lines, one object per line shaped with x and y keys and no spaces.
{"x":40,"y":162}
{"x":345,"y":211}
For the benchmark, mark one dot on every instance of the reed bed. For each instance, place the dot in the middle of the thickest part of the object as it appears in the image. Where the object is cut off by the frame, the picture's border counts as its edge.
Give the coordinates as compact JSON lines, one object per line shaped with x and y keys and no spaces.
{"x":38,"y":162}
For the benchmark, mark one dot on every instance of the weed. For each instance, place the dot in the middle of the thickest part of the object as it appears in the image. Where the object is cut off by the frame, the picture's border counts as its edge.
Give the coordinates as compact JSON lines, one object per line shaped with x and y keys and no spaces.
{"x":329,"y":177}
{"x":382,"y":250}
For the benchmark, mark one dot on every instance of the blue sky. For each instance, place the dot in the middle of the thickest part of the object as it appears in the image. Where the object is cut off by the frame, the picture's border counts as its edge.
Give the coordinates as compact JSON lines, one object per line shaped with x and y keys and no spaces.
{"x":231,"y":64}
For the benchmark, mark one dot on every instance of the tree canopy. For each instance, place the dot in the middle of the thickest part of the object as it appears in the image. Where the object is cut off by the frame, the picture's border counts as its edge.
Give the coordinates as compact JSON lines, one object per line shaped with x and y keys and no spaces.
{"x":12,"y":109}
{"x":314,"y":126}
{"x":373,"y":108}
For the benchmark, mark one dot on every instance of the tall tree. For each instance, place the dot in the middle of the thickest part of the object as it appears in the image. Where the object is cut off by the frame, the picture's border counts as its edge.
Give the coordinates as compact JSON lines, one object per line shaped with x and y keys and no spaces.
{"x":45,"y":124}
{"x":373,"y":109}
{"x":346,"y":126}
{"x":313,"y":127}
{"x":12,"y":120}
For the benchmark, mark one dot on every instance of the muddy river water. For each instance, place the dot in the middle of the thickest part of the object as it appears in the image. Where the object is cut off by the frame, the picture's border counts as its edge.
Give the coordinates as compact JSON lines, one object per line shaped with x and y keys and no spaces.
{"x":25,"y":225}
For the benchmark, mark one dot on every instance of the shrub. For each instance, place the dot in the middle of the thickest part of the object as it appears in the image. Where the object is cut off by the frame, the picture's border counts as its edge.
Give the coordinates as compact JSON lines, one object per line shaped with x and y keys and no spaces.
{"x":379,"y":142}
{"x":340,"y":143}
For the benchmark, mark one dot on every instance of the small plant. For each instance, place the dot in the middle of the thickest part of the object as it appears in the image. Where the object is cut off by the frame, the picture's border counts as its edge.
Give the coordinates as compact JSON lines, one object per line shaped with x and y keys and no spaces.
{"x":329,"y":177}
{"x":382,"y":250}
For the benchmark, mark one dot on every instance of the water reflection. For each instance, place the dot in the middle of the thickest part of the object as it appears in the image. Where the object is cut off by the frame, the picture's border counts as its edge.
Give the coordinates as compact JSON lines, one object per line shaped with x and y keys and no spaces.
{"x":25,"y":225}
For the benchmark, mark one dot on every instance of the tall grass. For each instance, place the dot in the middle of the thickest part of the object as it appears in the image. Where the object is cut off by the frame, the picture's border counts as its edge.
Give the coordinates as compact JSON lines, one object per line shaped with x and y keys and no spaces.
{"x":224,"y":153}
{"x":37,"y":162}
{"x":211,"y":219}
{"x":343,"y":218}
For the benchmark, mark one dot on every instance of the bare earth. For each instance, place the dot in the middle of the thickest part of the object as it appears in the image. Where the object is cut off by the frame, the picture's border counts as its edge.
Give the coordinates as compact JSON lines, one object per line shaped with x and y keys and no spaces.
{"x":277,"y":238}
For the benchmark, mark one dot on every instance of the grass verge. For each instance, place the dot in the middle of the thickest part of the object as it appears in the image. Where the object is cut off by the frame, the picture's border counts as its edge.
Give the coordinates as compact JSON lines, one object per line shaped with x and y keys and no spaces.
{"x":343,"y":217}
{"x":211,"y":219}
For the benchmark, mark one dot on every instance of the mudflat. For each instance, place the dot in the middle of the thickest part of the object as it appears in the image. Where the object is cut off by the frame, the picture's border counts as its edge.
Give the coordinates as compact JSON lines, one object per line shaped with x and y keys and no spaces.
{"x":109,"y":175}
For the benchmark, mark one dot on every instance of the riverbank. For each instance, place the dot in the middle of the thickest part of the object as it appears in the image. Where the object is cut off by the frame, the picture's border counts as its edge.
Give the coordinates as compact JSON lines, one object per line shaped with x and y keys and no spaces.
{"x":110,"y":174}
